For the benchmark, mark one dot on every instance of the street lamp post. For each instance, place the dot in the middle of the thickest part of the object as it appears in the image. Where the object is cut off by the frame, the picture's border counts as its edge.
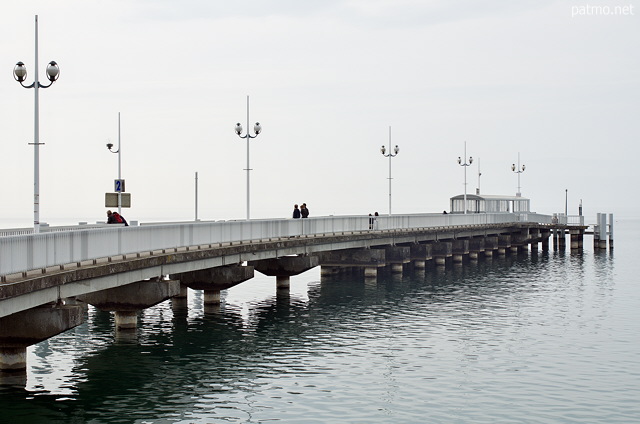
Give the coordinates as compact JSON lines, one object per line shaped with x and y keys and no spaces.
{"x":119,"y":151}
{"x":389,"y":155}
{"x":256,"y":129}
{"x":465,"y":164}
{"x":20,"y":74}
{"x":518,"y":170}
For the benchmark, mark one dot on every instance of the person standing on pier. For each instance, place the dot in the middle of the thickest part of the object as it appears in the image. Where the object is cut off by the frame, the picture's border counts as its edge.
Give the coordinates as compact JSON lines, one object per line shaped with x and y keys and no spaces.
{"x":304,"y":211}
{"x":296,"y":212}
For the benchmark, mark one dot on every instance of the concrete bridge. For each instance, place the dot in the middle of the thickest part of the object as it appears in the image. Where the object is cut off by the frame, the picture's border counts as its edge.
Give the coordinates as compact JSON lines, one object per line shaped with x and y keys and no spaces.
{"x":48,"y":278}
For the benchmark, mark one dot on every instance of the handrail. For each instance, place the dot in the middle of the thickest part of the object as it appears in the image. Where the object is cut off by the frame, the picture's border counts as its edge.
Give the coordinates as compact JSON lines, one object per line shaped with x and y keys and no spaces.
{"x":24,"y":252}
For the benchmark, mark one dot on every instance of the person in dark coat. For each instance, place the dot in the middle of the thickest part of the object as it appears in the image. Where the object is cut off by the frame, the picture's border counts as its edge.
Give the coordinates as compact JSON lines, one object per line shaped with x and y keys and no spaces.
{"x":296,"y":212}
{"x":304,"y":211}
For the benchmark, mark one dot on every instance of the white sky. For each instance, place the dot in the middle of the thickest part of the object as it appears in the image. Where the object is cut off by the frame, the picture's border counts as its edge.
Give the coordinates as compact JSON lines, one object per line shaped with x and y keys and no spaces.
{"x":326,"y":79}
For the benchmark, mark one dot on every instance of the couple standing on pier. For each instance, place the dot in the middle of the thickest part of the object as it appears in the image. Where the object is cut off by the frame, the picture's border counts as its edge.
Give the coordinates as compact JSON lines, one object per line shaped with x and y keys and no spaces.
{"x":303,"y":212}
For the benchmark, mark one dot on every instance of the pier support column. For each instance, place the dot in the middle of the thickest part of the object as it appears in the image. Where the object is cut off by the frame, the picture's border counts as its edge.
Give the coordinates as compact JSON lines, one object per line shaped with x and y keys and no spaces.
{"x":420,"y":254}
{"x":396,"y":257}
{"x":126,"y":320}
{"x":562,"y":240}
{"x":490,"y":246}
{"x":284,"y":267}
{"x":26,"y":328}
{"x":460,"y":249}
{"x":576,"y":237}
{"x":127,"y":300}
{"x":441,"y":251}
{"x":216,"y":279}
{"x":370,"y":272}
{"x":283,"y":282}
{"x":610,"y":231}
{"x":544,"y":239}
{"x":211,"y":297}
{"x":367,"y":259}
{"x":504,"y":243}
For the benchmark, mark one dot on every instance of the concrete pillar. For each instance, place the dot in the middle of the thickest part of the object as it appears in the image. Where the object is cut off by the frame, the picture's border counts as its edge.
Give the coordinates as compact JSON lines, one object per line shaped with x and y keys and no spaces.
{"x":217,"y":278}
{"x":13,"y":358}
{"x":126,"y":301}
{"x":184,"y":290}
{"x":328,"y":271}
{"x":576,"y":239}
{"x":490,"y":245}
{"x":419,"y":264}
{"x":504,"y":243}
{"x":211,"y":297}
{"x":544,"y":238}
{"x":476,"y":247}
{"x":610,"y":231}
{"x":26,"y":328}
{"x":562,"y":241}
{"x":284,"y":267}
{"x":460,"y":249}
{"x":396,"y":257}
{"x":370,"y":272}
{"x":282,"y":282}
{"x":126,"y":320}
{"x":441,"y":251}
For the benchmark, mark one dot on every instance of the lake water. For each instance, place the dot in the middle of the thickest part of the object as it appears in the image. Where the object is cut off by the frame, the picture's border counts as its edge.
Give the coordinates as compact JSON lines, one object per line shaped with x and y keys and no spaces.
{"x":533,"y":338}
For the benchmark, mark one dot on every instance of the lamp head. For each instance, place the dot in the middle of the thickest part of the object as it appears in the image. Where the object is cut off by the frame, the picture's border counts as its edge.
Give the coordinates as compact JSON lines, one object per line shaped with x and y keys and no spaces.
{"x":470,"y":160}
{"x":257,"y":128}
{"x":396,"y":149}
{"x":522,"y":168}
{"x":20,"y":72}
{"x":238,"y":128}
{"x":459,"y":160}
{"x":382,"y":149}
{"x":513,"y":167}
{"x":53,"y":71}
{"x":109,"y":146}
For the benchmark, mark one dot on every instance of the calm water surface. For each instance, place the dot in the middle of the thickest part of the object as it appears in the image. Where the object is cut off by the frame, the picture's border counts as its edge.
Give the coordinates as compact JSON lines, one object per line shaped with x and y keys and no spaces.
{"x":545,"y":338}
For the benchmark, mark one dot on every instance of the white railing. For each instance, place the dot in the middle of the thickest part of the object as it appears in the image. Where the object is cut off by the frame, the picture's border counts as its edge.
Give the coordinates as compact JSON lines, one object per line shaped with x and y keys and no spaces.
{"x":19,"y":253}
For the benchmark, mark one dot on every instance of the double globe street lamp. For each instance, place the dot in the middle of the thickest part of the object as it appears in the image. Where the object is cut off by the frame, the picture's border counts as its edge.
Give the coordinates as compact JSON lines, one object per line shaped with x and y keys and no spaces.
{"x":389,"y":155}
{"x":256,"y":130}
{"x":465,"y":164}
{"x":20,"y":74}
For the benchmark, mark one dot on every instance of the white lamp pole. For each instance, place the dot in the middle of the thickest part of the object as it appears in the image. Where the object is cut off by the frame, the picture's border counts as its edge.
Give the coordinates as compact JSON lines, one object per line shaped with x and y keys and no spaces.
{"x":518,"y":170}
{"x":256,"y":129}
{"x":465,"y":164}
{"x":119,"y":151}
{"x":390,"y":155}
{"x":20,"y":73}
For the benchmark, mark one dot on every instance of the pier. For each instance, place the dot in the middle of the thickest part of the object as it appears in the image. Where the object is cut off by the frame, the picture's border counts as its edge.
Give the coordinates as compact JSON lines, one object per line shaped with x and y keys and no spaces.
{"x":47,"y":279}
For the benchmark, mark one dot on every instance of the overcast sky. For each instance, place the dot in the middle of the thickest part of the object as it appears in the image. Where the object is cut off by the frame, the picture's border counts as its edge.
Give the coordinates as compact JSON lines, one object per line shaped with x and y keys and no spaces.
{"x":551,"y":80}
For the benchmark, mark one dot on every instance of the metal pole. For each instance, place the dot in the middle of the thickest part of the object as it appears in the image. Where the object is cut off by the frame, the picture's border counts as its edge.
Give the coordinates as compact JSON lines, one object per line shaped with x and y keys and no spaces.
{"x":389,"y":170}
{"x":119,"y":168}
{"x":36,"y":146}
{"x":519,"y":175}
{"x":566,"y":197}
{"x":479,"y":175}
{"x":465,"y":177}
{"x":248,"y":169}
{"x":196,"y":195}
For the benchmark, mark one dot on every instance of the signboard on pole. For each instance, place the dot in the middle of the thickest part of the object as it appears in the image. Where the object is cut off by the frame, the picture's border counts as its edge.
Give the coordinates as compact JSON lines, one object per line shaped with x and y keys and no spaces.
{"x":118,"y":186}
{"x":111,"y":200}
